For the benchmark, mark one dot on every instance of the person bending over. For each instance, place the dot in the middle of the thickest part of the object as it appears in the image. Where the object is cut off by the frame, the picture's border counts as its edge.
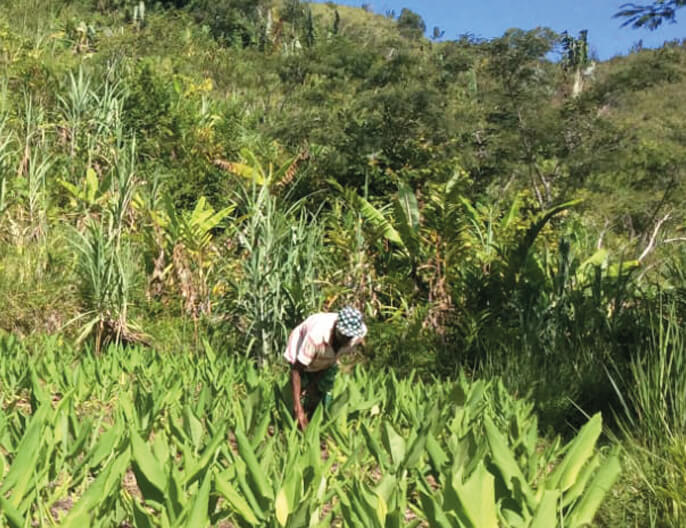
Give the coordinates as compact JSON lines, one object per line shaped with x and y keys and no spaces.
{"x":313,"y":350}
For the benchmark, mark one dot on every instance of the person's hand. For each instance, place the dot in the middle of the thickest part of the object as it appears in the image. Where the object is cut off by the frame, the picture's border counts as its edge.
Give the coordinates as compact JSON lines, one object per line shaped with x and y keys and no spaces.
{"x":302,"y":420}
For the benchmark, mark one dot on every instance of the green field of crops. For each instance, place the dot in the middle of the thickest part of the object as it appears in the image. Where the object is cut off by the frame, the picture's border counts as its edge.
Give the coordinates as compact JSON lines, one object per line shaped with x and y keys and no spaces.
{"x":134,"y":438}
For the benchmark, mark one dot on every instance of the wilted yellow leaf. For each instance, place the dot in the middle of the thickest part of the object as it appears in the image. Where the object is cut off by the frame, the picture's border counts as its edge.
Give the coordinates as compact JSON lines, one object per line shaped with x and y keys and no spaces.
{"x":281,"y":506}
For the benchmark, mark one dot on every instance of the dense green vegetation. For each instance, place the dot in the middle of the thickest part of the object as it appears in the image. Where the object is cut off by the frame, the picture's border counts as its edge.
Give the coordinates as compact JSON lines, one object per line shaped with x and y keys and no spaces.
{"x":224,"y":450}
{"x":196,"y":172}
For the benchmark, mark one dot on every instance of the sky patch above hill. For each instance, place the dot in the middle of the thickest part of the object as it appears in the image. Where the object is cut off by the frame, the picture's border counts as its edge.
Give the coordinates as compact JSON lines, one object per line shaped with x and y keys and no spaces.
{"x":491,"y":18}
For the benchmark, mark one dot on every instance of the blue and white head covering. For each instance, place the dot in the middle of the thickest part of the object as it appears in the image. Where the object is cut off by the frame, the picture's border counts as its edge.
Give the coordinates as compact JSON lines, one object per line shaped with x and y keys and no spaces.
{"x":350,"y":323}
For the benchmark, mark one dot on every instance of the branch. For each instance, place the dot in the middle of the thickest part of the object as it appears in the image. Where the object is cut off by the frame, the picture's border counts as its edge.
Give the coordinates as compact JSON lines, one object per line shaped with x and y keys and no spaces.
{"x":651,"y":244}
{"x":645,"y":270}
{"x":650,"y":16}
{"x":599,"y":245}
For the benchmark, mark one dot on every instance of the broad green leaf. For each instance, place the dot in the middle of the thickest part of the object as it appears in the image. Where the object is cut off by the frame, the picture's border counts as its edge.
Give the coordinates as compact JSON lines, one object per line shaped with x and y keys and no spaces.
{"x":102,"y":487}
{"x":241,"y":469}
{"x":259,"y":481}
{"x":209,"y":452}
{"x":511,"y":214}
{"x":437,"y":456}
{"x":20,"y":474}
{"x":578,"y":488}
{"x":505,"y":461}
{"x":176,"y":498}
{"x":301,"y":516}
{"x":408,"y":203}
{"x":284,"y":173}
{"x":381,"y":509}
{"x":374,"y":447}
{"x":236,"y":502}
{"x":313,"y":428}
{"x":193,"y":427}
{"x":604,"y":479}
{"x":513,"y":519}
{"x":597,"y":259}
{"x":477,"y":499}
{"x":350,"y":517}
{"x":416,"y":450}
{"x":452,"y":186}
{"x":622,"y":268}
{"x":39,"y":396}
{"x":14,"y":518}
{"x":150,"y":474}
{"x":546,"y":513}
{"x":364,"y":503}
{"x":292,"y":485}
{"x":246,"y":171}
{"x":91,"y":185}
{"x":142,"y":518}
{"x":73,"y":189}
{"x":408,"y":235}
{"x":378,"y":221}
{"x":160,"y":447}
{"x":393,"y":443}
{"x":433,"y":512}
{"x":198,"y":517}
{"x":579,"y":452}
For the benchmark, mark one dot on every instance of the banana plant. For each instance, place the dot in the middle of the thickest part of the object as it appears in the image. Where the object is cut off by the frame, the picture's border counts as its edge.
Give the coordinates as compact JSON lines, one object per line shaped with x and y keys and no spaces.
{"x":90,"y":195}
{"x":402,"y":230}
{"x":252,"y":170}
{"x":185,"y":242}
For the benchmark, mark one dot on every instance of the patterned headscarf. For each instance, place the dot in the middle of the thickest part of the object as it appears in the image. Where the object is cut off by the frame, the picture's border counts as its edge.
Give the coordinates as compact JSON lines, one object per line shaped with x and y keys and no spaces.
{"x":349,"y":322}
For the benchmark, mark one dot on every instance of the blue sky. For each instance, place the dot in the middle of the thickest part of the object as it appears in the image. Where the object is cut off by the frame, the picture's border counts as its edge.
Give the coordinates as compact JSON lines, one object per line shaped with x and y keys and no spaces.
{"x":490,"y":18}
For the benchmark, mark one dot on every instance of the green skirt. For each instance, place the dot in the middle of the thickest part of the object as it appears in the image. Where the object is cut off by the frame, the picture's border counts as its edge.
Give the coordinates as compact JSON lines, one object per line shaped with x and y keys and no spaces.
{"x":324,"y":385}
{"x":309,"y":401}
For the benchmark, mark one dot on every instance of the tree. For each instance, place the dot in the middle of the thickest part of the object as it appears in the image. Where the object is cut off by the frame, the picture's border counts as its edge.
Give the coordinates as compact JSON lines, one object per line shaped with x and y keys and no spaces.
{"x":650,"y":16}
{"x":437,"y":33}
{"x":411,"y":24}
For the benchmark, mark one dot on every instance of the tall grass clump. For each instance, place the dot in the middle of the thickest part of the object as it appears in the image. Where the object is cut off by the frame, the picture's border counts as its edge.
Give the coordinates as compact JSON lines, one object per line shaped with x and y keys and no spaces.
{"x":281,"y":264}
{"x":105,"y":265}
{"x":653,"y":422}
{"x":36,"y":285}
{"x":5,"y":155}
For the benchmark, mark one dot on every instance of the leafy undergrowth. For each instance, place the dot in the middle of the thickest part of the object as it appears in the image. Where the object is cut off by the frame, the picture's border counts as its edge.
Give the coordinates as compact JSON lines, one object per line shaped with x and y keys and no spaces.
{"x":134,"y":438}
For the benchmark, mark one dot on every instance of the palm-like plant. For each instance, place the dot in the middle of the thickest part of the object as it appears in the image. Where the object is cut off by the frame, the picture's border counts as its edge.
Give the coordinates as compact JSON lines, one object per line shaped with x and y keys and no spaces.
{"x":651,"y":15}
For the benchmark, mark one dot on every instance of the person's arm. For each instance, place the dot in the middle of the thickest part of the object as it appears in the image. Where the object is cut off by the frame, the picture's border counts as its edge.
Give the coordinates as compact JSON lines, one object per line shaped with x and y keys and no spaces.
{"x":296,"y":382}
